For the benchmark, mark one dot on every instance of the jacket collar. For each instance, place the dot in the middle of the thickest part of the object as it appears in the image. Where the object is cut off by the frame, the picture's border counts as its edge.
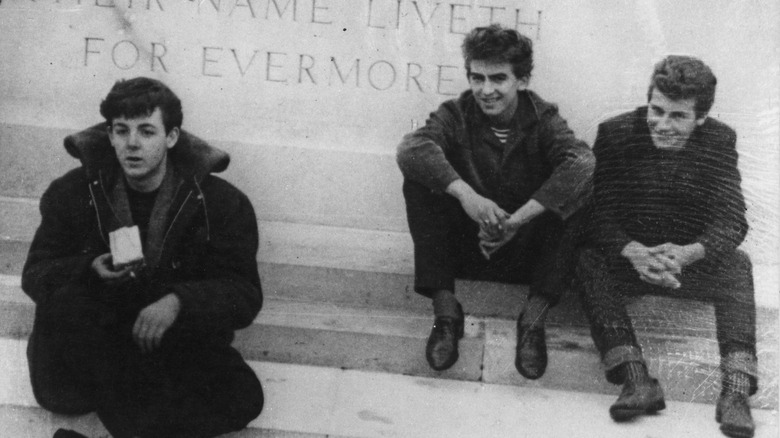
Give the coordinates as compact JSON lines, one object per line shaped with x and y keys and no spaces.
{"x":530,"y":107}
{"x":191,"y":156}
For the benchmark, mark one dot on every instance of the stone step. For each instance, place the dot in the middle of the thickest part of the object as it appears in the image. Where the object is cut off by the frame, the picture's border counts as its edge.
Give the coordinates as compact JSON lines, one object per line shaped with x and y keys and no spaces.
{"x":307,"y":401}
{"x":393,"y":341}
{"x":328,"y":277}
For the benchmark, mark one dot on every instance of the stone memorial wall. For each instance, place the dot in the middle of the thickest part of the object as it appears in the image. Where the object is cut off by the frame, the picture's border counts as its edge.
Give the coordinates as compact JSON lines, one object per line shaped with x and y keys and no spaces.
{"x":310,"y":97}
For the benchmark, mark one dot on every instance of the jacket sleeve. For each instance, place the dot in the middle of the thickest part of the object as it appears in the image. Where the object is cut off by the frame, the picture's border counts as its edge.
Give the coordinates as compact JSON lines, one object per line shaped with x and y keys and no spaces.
{"x":421,"y":154}
{"x":729,"y":224}
{"x":605,"y":222}
{"x":58,"y":254}
{"x":569,"y":186}
{"x":227,"y":295}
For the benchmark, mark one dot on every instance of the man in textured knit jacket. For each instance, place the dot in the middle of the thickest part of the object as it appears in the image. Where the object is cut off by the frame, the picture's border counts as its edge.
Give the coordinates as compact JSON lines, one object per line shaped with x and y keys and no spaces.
{"x":490,"y":182}
{"x":669,"y":215}
{"x":146,"y":345}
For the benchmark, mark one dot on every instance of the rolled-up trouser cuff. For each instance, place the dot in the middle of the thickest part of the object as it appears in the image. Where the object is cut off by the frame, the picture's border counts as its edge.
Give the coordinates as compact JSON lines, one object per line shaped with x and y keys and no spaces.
{"x":616,"y":357}
{"x":743,"y":362}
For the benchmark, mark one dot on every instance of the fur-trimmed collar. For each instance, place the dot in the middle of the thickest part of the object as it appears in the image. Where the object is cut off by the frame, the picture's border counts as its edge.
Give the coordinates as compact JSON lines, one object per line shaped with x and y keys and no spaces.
{"x":191,"y":156}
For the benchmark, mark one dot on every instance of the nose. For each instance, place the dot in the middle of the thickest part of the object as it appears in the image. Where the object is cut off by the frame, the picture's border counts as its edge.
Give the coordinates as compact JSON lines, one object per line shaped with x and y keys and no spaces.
{"x":133,"y":140}
{"x":488,"y":87}
{"x":662,"y":122}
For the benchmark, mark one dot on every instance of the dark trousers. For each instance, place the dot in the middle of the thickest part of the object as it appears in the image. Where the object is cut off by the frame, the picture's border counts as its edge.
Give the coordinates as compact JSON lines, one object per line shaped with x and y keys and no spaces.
{"x":446,"y":247}
{"x":727,"y":283}
{"x":82,"y":358}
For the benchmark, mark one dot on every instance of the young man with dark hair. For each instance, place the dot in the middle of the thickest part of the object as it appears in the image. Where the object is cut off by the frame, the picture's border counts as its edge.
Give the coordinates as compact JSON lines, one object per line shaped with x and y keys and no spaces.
{"x":490,"y":182}
{"x":668,"y":217}
{"x":144,"y":340}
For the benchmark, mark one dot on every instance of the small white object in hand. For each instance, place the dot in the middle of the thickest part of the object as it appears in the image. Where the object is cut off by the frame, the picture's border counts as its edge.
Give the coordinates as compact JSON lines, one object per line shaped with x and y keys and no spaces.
{"x":126,"y":247}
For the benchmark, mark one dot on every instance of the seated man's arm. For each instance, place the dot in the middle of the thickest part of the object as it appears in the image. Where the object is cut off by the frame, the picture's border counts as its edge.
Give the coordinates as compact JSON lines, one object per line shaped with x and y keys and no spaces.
{"x":227,"y":295}
{"x":59,"y":253}
{"x":609,"y":178}
{"x":564,"y":192}
{"x":421,"y":154}
{"x":728,"y":227}
{"x":569,"y":186}
{"x":421,"y":158}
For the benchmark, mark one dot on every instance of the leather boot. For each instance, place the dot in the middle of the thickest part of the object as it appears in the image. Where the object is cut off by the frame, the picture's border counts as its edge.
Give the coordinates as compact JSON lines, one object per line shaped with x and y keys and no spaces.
{"x":733,"y":414}
{"x":442,"y":348}
{"x":637,"y":398}
{"x":531,"y":351}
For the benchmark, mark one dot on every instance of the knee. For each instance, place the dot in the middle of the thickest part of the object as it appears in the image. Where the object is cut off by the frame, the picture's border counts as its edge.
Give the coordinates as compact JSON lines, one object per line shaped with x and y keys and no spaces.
{"x":249,"y":403}
{"x":733,"y":271}
{"x":588,"y":262}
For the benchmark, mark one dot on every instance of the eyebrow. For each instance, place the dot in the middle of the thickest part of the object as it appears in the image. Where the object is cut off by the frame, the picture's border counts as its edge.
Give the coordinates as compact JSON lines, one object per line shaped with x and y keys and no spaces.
{"x":494,"y":76}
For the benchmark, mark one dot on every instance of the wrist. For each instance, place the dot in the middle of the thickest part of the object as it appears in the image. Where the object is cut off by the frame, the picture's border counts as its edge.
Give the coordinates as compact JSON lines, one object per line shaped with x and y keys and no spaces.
{"x":694,"y":252}
{"x":459,"y":190}
{"x":631,"y":249}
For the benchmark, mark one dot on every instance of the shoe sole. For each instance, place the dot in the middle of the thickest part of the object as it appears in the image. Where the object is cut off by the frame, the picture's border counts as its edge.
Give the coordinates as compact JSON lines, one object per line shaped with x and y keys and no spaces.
{"x":735,"y":431}
{"x":625,"y":414}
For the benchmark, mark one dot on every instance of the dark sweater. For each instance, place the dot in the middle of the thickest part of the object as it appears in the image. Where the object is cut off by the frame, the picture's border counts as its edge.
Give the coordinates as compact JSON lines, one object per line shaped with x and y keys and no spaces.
{"x":655,"y":196}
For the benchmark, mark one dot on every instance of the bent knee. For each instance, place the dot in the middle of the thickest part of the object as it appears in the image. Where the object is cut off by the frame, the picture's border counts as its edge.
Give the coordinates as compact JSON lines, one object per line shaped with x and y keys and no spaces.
{"x":248,"y":404}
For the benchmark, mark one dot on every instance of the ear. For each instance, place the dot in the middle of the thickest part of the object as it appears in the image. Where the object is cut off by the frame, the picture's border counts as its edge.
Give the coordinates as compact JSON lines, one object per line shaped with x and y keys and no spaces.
{"x":700,"y":121}
{"x":523,"y":84}
{"x":172,"y":137}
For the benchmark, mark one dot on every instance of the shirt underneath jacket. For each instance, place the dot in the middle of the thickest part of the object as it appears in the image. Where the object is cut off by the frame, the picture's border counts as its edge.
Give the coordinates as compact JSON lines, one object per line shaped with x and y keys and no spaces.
{"x":541,"y":159}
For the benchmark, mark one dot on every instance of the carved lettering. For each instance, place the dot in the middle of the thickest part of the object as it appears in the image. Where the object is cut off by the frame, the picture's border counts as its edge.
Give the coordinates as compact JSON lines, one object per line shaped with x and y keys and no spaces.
{"x":454,"y":17}
{"x":306,"y":68}
{"x":247,"y":5}
{"x":413,"y":77}
{"x":420,"y":15}
{"x":270,"y":65}
{"x":371,"y":76}
{"x":243,"y":70}
{"x":148,"y":4}
{"x":207,"y":59}
{"x":370,"y":14}
{"x":87,"y":50}
{"x":491,"y":17}
{"x":355,"y":68}
{"x":440,"y":79}
{"x":280,"y":12}
{"x":519,"y":23}
{"x":122,"y":54}
{"x":314,"y":9}
{"x":159,"y":57}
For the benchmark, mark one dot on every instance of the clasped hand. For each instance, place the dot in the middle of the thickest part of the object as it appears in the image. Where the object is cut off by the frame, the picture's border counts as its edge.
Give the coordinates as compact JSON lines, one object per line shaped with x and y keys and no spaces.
{"x":659,"y":265}
{"x":496,"y":226}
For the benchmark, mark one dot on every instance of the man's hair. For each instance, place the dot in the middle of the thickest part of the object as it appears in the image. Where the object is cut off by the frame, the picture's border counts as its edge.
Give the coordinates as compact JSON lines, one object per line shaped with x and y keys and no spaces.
{"x":138,"y":97}
{"x":684,"y":77}
{"x":496,"y":44}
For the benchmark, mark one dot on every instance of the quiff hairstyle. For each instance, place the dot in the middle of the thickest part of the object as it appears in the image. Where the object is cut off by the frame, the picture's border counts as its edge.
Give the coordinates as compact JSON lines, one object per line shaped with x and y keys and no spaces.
{"x":496,"y":44}
{"x":685,"y":77}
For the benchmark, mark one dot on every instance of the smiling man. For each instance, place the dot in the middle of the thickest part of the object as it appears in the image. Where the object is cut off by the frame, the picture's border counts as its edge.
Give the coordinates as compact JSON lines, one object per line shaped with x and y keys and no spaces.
{"x":490,"y":183}
{"x":669,"y":215}
{"x":144,"y":344}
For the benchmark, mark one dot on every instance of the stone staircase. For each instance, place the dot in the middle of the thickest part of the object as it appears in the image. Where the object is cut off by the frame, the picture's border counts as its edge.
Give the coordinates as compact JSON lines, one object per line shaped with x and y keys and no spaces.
{"x":340,"y":307}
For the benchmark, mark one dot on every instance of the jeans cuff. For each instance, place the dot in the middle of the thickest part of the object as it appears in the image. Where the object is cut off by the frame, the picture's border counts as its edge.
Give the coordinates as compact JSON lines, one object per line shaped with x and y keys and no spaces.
{"x":616,"y":357}
{"x":743,"y":362}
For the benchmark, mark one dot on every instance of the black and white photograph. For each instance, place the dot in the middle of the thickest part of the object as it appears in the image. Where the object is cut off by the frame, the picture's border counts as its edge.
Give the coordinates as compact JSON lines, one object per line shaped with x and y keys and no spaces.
{"x":389,"y":218}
